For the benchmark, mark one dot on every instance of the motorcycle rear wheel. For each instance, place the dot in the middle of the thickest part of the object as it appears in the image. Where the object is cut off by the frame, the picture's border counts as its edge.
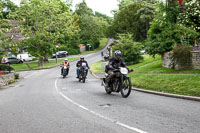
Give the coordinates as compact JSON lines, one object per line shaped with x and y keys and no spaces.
{"x":126,"y":88}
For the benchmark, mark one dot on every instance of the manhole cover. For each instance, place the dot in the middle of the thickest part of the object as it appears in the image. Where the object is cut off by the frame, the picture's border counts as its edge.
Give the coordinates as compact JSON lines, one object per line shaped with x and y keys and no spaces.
{"x":105,"y":105}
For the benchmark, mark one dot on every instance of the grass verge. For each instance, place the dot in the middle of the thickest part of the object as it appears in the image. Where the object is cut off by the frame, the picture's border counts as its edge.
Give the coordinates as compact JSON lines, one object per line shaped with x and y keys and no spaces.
{"x":170,"y":83}
{"x":96,"y":67}
{"x":34,"y":65}
{"x":102,"y":44}
{"x":146,"y":76}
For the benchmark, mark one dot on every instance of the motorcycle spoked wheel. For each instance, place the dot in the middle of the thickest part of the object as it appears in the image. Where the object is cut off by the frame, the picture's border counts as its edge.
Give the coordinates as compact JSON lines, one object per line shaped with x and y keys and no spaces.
{"x":126,"y":88}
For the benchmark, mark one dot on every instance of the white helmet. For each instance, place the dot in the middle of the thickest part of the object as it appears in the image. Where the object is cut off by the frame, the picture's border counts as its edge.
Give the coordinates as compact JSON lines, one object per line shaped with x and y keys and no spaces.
{"x":82,"y":57}
{"x":66,"y":59}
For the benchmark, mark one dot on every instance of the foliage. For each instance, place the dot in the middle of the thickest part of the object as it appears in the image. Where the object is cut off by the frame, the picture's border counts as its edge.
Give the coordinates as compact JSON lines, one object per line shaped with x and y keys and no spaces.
{"x":164,"y":35}
{"x":44,"y":23}
{"x":92,"y":27}
{"x":4,"y":67}
{"x":181,"y":55}
{"x":190,"y":15}
{"x":8,"y":7}
{"x":104,"y":17}
{"x":11,"y":80}
{"x":83,"y":9}
{"x":130,"y":49}
{"x":146,"y":13}
{"x":16,"y":75}
{"x":128,"y":21}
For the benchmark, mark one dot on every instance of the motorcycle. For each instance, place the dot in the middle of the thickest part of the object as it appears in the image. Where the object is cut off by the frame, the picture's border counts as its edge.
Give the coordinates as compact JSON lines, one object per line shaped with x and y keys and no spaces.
{"x":120,"y":83}
{"x":65,"y":71}
{"x":82,"y":75}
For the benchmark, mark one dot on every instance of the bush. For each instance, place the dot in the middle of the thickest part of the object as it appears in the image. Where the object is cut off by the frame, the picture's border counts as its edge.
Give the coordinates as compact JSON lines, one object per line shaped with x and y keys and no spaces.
{"x":130,"y":49}
{"x":4,"y":67}
{"x":11,"y":80}
{"x":16,"y":75}
{"x":181,"y":55}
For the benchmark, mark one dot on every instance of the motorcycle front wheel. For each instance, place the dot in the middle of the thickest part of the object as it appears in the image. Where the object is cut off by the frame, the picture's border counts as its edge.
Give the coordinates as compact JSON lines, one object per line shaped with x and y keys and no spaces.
{"x":126,"y":88}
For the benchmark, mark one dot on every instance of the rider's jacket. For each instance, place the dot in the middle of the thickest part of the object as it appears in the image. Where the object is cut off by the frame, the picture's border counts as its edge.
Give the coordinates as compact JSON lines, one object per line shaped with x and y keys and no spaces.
{"x":66,"y":63}
{"x":115,"y":63}
{"x":79,"y":63}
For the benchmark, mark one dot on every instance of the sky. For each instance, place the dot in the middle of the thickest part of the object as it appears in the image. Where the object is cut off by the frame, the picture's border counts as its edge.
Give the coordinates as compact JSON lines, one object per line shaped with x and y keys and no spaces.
{"x":102,"y":6}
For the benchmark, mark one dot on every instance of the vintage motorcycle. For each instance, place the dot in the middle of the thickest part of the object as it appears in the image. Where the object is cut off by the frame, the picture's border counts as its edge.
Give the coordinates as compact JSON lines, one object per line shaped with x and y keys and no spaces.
{"x":82,"y":75}
{"x":120,"y":83}
{"x":65,"y":71}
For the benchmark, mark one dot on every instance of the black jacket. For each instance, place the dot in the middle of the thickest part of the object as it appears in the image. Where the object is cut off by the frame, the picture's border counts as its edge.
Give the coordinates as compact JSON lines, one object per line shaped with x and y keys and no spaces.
{"x":79,"y":63}
{"x":115,"y":63}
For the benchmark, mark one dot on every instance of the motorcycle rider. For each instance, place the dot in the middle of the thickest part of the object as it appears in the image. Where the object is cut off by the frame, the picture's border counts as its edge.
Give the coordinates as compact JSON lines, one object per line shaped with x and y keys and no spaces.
{"x":113,"y":64}
{"x":66,"y":63}
{"x":79,"y":64}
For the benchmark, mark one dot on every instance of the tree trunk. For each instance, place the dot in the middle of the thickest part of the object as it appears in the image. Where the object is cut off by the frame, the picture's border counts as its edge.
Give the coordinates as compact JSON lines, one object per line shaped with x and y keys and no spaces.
{"x":40,"y":62}
{"x":46,"y":59}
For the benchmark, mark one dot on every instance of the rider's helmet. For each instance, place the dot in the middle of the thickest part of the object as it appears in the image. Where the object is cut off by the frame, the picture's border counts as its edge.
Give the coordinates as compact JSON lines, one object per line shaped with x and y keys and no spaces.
{"x":81,"y":57}
{"x":66,"y":59}
{"x":118,"y":53}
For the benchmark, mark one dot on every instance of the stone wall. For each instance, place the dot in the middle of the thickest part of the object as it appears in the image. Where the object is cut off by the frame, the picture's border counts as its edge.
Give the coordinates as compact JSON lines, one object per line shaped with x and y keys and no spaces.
{"x":195,"y":64}
{"x":4,"y":79}
{"x":196,"y":59}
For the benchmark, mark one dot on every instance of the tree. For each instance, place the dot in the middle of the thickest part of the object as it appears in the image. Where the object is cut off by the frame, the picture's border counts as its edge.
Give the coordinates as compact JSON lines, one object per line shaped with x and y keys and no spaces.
{"x":130,"y":49}
{"x":83,"y":9}
{"x":8,"y":7}
{"x":128,"y":21}
{"x":104,"y":17}
{"x":190,"y":15}
{"x":146,"y":13}
{"x":92,"y":27}
{"x":44,"y":23}
{"x":164,"y":34}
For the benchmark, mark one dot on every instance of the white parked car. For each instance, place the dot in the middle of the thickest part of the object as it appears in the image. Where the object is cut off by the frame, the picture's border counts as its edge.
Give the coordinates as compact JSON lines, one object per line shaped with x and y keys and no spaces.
{"x":25,"y":57}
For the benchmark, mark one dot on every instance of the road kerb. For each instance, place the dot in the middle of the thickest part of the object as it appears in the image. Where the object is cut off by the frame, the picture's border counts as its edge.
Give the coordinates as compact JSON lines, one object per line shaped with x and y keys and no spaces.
{"x":160,"y":93}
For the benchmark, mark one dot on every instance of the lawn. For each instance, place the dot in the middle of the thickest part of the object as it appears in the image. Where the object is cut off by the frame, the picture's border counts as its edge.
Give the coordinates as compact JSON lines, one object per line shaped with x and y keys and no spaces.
{"x":102,"y":44}
{"x":185,"y":84}
{"x":34,"y":65}
{"x":96,"y":67}
{"x":149,"y":74}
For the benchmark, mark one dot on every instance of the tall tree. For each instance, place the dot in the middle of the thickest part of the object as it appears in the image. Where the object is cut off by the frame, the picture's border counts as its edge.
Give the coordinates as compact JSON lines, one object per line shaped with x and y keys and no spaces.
{"x":92,"y":27}
{"x":83,"y":9}
{"x":146,"y":13}
{"x":44,"y":22}
{"x":128,"y":21}
{"x":8,"y":7}
{"x":190,"y":15}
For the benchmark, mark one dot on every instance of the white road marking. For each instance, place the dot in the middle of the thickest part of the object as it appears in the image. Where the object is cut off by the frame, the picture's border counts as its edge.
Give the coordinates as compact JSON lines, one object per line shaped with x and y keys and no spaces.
{"x":97,"y":114}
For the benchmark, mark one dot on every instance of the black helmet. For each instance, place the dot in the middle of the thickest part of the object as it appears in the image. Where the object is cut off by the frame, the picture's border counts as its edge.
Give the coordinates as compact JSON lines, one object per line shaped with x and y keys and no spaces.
{"x":118,"y":53}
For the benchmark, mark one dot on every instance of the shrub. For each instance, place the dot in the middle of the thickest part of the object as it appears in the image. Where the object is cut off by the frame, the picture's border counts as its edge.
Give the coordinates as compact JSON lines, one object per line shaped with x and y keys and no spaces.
{"x":11,"y":80}
{"x":4,"y":67}
{"x":16,"y":75}
{"x":181,"y":55}
{"x":130,"y":49}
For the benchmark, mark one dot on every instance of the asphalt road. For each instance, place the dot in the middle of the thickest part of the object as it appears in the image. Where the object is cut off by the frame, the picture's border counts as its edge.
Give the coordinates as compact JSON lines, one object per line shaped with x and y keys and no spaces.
{"x":43,"y":102}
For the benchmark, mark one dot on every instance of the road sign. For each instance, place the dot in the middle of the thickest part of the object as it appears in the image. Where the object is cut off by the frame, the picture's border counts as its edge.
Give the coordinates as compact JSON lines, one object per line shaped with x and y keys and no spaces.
{"x":57,"y":45}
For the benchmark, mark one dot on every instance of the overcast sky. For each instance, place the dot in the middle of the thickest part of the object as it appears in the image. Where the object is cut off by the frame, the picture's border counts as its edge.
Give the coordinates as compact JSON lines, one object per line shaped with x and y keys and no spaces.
{"x":102,"y":6}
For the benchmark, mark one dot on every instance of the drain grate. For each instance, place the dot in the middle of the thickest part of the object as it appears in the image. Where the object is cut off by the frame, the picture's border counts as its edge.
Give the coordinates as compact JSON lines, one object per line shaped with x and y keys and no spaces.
{"x":105,"y":105}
